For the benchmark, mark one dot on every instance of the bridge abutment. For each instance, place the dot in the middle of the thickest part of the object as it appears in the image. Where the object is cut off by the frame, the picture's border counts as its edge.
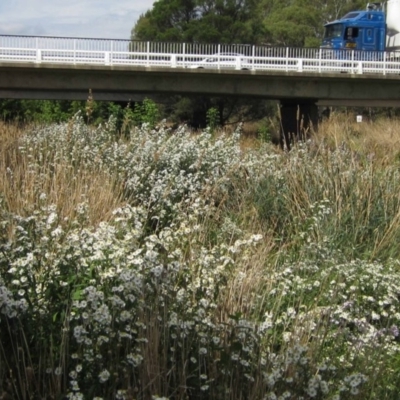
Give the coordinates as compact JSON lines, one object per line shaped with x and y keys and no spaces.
{"x":298,"y":118}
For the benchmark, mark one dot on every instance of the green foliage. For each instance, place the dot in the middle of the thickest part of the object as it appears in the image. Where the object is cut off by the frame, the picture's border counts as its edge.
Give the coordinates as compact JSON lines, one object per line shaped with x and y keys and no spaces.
{"x":199,"y":21}
{"x":42,"y":111}
{"x":212,"y":119}
{"x":292,"y":26}
{"x":146,"y":112}
{"x":227,"y":22}
{"x":264,"y":133}
{"x":95,"y":112}
{"x":300,"y":23}
{"x":167,"y":21}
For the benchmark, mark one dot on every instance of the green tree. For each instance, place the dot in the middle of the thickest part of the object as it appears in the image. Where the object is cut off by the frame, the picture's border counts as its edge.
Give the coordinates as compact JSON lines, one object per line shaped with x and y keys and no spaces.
{"x":205,"y":21}
{"x":168,"y":20}
{"x":228,"y":21}
{"x":300,"y":23}
{"x":146,"y":112}
{"x":293,"y":26}
{"x":334,"y":9}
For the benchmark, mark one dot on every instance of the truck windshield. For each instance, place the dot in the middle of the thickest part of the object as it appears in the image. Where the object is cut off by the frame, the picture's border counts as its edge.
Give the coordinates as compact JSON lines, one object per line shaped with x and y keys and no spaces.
{"x":351,"y":15}
{"x":333,"y":31}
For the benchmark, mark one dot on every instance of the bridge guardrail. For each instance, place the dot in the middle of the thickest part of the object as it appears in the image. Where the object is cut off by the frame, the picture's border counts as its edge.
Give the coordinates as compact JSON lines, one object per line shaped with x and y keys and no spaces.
{"x":187,"y":55}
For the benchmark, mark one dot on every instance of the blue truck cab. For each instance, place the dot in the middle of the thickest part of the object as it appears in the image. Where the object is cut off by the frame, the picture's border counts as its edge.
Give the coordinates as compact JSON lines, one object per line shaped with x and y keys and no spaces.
{"x":357,"y":30}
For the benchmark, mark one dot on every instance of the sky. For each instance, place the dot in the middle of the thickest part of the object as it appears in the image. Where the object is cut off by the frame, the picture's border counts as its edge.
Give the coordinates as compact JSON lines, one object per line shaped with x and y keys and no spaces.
{"x":110,"y":19}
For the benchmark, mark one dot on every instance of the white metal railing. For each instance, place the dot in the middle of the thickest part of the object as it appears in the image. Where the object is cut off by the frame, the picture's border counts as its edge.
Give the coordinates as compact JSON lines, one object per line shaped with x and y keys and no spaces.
{"x":188,"y":55}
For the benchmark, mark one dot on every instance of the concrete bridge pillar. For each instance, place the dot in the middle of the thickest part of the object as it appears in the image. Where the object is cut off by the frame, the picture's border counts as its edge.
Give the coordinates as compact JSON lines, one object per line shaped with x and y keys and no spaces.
{"x":298,"y":119}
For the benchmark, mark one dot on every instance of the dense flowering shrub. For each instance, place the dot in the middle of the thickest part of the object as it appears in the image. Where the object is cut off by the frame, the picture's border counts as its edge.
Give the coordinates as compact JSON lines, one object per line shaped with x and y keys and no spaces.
{"x":168,"y":298}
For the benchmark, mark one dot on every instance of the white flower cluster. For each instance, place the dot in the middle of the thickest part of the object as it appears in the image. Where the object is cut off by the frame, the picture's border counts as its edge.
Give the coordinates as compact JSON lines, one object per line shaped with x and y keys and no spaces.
{"x":11,"y":305}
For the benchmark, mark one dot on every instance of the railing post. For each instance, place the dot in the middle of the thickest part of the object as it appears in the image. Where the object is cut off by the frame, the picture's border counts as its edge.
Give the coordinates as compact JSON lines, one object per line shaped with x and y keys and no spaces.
{"x":111,"y":52}
{"x":352,"y":62}
{"x":287,"y":59}
{"x":148,"y":54}
{"x":238,"y":63}
{"x":38,"y":52}
{"x":320,"y":60}
{"x":253,"y":52}
{"x":360,"y":68}
{"x":384,"y":63}
{"x":219,"y":56}
{"x":107,"y":58}
{"x":38,"y":56}
{"x":74,"y":51}
{"x":300,"y":65}
{"x":184,"y":53}
{"x":173,"y":60}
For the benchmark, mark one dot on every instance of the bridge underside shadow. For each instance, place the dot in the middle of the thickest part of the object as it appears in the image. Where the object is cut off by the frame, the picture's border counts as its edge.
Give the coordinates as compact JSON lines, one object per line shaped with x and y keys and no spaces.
{"x":298,"y":119}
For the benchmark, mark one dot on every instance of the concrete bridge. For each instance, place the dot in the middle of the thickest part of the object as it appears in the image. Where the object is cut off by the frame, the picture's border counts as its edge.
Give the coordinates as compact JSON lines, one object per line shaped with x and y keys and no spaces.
{"x":301,"y":79}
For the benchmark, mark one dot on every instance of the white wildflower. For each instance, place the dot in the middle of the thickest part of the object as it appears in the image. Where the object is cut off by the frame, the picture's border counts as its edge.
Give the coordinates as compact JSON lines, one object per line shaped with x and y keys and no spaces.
{"x":104,"y":376}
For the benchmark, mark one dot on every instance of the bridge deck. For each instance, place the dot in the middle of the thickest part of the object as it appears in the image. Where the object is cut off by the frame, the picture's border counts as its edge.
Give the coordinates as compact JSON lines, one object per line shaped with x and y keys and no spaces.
{"x":66,"y":68}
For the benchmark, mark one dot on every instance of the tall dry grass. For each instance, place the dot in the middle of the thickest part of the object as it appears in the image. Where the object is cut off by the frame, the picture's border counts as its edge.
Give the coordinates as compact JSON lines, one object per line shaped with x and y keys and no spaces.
{"x":24,"y":183}
{"x":377,"y":138}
